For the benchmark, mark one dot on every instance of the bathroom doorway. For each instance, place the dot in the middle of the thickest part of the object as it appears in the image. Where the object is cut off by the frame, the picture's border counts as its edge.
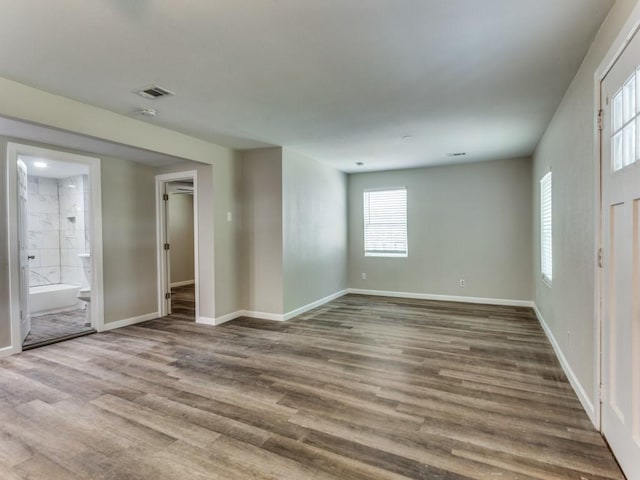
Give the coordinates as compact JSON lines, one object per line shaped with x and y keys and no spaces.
{"x":53,"y":227}
{"x":178,"y":245}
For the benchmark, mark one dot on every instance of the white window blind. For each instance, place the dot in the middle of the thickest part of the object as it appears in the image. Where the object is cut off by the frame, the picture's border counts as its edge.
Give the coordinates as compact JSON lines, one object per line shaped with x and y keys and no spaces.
{"x":546,"y":221}
{"x":385,"y":222}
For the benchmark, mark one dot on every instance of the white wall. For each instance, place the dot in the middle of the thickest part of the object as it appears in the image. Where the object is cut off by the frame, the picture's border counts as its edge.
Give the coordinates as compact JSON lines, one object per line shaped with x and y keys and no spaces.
{"x":262,"y":230}
{"x":567,"y":147}
{"x":470,"y":221}
{"x":180,"y":210}
{"x":314,"y":230}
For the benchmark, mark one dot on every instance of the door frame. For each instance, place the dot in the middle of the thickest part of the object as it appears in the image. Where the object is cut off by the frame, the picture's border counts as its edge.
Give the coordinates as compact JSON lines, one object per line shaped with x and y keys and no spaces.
{"x":161,"y":229}
{"x":97,"y":287}
{"x":627,"y":32}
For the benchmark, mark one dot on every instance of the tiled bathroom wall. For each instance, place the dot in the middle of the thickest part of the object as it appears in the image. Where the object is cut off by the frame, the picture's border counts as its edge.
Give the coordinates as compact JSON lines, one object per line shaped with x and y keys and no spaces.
{"x":44,"y":231}
{"x":73,"y":192}
{"x":58,"y":229}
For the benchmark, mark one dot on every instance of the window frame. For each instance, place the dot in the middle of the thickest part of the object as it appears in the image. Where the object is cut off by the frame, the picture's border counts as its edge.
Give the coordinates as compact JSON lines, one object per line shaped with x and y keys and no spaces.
{"x":381,"y":254}
{"x":546,"y":230}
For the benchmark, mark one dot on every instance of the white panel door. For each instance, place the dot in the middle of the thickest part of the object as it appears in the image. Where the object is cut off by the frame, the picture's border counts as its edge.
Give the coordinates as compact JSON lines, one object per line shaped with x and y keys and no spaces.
{"x":23,"y":249}
{"x":621,"y":274}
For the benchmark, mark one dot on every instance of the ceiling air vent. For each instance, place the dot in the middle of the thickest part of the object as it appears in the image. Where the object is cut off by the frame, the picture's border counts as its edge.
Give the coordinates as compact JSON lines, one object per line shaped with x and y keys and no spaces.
{"x":154,"y":92}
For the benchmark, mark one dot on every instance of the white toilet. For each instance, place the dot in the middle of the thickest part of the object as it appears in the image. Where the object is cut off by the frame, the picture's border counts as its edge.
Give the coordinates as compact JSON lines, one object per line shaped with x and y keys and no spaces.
{"x":85,"y":291}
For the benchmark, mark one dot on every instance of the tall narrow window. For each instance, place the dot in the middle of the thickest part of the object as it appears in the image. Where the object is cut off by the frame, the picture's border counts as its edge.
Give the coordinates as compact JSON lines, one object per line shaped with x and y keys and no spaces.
{"x":546,"y":221}
{"x":385,"y":222}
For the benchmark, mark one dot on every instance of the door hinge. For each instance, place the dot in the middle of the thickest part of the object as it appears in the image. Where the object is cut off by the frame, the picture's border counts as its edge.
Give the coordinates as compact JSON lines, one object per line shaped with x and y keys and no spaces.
{"x":166,"y":246}
{"x":600,"y":120}
{"x":601,"y":393}
{"x":165,"y":196}
{"x":600,"y":258}
{"x":167,"y":296}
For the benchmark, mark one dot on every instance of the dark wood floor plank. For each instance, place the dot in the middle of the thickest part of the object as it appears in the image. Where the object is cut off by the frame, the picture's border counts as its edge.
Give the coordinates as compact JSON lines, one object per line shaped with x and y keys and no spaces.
{"x":360,"y":388}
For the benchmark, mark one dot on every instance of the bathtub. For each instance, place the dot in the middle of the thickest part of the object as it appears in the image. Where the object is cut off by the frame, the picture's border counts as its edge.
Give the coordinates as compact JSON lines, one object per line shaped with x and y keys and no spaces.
{"x":53,"y":298}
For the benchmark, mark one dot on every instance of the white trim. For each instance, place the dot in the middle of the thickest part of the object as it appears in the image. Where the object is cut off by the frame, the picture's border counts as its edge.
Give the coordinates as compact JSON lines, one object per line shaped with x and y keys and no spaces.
{"x":96,"y":304}
{"x":6,"y":351}
{"x":276,"y":317}
{"x":130,"y":321}
{"x":163,"y":268}
{"x":627,"y":32}
{"x":207,"y":321}
{"x":183,"y":283}
{"x":586,"y":402}
{"x":443,"y":298}
{"x":312,"y":305}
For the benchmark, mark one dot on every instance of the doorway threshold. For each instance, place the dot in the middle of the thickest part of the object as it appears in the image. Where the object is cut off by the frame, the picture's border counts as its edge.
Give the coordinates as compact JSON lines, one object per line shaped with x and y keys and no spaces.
{"x":51,"y":341}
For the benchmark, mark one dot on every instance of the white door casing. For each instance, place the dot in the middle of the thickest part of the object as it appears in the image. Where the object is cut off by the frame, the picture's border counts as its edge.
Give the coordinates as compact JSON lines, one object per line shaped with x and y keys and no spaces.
{"x":167,"y":240}
{"x":620,"y":397}
{"x":23,"y":248}
{"x":162,"y":223}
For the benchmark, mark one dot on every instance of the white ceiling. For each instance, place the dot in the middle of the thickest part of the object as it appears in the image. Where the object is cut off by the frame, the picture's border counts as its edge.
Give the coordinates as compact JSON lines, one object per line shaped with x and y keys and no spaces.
{"x":341,"y":81}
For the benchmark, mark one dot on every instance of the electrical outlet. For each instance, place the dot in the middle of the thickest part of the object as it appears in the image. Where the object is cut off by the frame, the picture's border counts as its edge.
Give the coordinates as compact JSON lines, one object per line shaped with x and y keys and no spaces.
{"x":462,"y":283}
{"x":364,"y":276}
{"x":229,"y":217}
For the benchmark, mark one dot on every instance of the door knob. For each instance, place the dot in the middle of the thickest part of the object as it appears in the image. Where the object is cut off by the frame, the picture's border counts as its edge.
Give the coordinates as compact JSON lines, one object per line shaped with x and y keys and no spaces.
{"x":31,"y":257}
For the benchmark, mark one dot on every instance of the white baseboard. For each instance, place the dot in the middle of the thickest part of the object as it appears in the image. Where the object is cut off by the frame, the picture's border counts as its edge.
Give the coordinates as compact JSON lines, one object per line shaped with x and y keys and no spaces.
{"x":226,"y":318}
{"x":6,"y":351}
{"x":237,"y":314}
{"x":586,"y":402}
{"x":183,"y":283}
{"x":312,"y":305}
{"x":206,"y":320}
{"x":443,"y":298}
{"x":130,"y":321}
{"x":276,"y":317}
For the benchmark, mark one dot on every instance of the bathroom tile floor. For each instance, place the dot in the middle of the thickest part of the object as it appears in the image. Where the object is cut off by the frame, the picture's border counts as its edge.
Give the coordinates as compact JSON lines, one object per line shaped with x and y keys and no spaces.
{"x":53,"y":327}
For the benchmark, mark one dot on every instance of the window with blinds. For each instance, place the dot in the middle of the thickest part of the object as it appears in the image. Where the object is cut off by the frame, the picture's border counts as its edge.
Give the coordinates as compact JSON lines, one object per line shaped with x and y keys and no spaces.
{"x":546,"y":221}
{"x":385,"y":222}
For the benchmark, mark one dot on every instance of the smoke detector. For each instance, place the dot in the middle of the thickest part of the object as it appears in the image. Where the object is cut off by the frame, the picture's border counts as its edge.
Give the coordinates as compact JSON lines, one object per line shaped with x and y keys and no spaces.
{"x":146,"y":112}
{"x":153,"y":92}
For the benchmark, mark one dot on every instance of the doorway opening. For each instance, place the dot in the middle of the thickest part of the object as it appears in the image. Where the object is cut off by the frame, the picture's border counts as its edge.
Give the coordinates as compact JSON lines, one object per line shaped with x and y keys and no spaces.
{"x":177,"y":209}
{"x":54,"y":220}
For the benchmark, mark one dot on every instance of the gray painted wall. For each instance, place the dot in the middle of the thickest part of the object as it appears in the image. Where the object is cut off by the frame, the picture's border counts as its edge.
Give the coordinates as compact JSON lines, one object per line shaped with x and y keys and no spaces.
{"x":181,"y":237}
{"x":262,"y":230}
{"x":470,"y":221}
{"x":314,"y":230}
{"x":568,"y":149}
{"x":128,"y":239}
{"x":220,"y":264}
{"x":5,"y":325}
{"x":227,"y":191}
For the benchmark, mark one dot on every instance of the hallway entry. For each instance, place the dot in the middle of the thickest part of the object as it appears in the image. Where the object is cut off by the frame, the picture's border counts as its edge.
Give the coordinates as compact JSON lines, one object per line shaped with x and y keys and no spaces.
{"x":177,"y":243}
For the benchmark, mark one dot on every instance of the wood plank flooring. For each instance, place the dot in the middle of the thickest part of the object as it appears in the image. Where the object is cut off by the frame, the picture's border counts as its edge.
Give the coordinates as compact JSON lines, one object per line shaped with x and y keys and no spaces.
{"x":361,"y":388}
{"x":51,"y":327}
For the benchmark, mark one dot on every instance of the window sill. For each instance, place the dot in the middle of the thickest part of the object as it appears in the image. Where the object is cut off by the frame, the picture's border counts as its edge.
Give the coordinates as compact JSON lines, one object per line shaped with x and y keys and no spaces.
{"x":392,"y":255}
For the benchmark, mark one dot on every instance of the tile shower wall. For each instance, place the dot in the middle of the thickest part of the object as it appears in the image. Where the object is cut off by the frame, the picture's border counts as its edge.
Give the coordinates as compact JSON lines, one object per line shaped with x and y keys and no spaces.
{"x":74,"y":220}
{"x":58,"y":229}
{"x":44,"y":231}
